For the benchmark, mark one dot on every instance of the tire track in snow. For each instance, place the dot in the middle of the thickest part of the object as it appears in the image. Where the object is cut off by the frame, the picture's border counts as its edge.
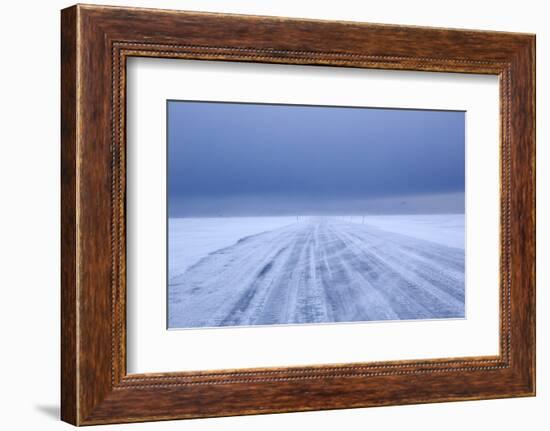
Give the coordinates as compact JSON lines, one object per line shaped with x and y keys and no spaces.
{"x":410,"y":296}
{"x":209,"y":291}
{"x":320,"y":270}
{"x":437,"y":271}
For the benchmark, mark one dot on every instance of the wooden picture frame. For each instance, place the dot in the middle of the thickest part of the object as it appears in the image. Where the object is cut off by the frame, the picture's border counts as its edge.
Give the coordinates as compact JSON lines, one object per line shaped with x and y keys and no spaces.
{"x":95,"y":43}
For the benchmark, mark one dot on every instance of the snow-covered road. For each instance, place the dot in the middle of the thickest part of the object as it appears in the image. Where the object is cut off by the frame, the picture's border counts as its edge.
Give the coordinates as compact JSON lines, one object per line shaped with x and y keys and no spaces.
{"x":320,"y":270}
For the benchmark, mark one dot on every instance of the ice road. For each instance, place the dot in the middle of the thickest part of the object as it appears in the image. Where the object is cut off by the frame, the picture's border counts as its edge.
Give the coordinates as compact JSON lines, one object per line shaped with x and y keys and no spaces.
{"x":321,"y":270}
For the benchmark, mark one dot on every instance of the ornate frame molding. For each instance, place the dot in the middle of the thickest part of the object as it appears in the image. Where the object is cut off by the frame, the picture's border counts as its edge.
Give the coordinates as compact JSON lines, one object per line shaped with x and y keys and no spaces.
{"x":96,"y":41}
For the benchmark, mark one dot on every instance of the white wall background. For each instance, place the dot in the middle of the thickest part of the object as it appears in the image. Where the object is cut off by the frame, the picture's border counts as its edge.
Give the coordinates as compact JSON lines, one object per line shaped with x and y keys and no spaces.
{"x":29,"y":218}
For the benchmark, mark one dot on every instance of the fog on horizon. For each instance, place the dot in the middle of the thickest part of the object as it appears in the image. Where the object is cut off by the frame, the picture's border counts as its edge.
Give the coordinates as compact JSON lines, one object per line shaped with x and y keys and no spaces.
{"x":235,"y":159}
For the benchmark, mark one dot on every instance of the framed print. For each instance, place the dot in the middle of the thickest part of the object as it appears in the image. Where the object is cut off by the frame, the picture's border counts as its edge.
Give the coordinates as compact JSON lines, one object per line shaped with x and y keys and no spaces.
{"x":268,"y":215}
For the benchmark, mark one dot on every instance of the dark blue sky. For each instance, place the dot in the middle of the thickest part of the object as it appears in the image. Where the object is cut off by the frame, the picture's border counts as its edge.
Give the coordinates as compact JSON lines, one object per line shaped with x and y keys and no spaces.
{"x":257,"y":159}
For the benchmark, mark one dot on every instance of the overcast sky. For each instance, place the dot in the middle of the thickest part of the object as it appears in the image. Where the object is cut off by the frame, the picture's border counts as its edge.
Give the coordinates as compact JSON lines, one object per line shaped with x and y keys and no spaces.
{"x":256,"y":159}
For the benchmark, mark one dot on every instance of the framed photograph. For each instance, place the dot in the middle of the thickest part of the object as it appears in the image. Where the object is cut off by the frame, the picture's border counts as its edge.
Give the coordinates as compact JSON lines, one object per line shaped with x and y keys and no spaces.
{"x":265,"y":215}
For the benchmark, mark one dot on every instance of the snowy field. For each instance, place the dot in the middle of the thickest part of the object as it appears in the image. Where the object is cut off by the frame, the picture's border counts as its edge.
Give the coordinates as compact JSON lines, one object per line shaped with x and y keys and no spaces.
{"x":284,"y":270}
{"x":191,"y":239}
